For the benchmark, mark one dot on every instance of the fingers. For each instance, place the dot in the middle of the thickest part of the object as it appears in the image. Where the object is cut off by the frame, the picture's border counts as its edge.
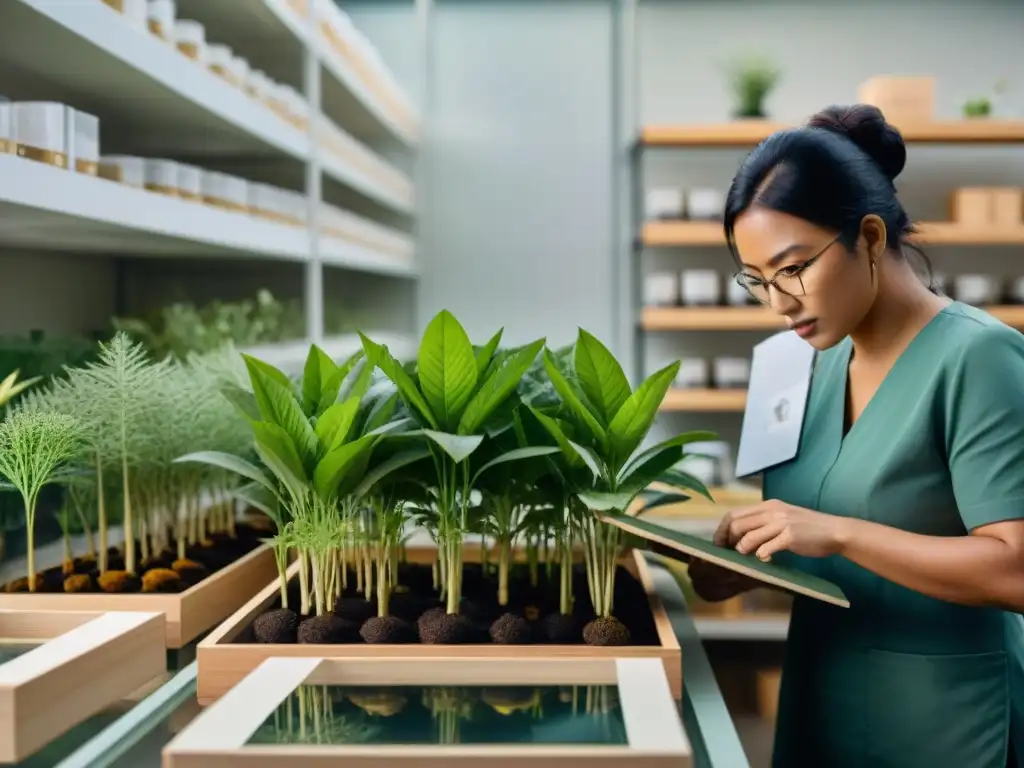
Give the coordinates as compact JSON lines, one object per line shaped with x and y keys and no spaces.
{"x":737,"y":524}
{"x":780,"y":543}
{"x":753,"y":539}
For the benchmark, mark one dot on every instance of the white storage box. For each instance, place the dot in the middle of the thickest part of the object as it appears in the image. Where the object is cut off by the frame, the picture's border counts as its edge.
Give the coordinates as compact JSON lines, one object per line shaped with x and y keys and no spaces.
{"x":6,"y":134}
{"x":39,"y":130}
{"x":701,"y":287}
{"x":162,"y":176}
{"x":190,"y":182}
{"x":219,"y":60}
{"x":661,"y":289}
{"x":692,"y":374}
{"x":190,"y":38}
{"x":224,"y":191}
{"x":86,"y":137}
{"x":731,"y":372}
{"x":124,"y":169}
{"x":160,"y":16}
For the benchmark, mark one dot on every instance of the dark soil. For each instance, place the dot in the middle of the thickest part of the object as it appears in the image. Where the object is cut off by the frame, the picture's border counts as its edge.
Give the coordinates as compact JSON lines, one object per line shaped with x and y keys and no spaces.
{"x":417,"y":614}
{"x":162,"y":573}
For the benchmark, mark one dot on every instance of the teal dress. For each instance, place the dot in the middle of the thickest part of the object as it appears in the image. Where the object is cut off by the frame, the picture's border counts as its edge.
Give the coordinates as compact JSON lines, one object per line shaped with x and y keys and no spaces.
{"x":899,"y":678}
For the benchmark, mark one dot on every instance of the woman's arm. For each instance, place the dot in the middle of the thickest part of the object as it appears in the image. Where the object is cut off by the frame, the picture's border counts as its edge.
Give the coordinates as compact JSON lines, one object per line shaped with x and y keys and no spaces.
{"x":984,"y":568}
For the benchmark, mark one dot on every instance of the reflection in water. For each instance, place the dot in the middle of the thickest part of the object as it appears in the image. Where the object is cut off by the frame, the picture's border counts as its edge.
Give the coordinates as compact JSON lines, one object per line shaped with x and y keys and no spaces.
{"x":332,"y":714}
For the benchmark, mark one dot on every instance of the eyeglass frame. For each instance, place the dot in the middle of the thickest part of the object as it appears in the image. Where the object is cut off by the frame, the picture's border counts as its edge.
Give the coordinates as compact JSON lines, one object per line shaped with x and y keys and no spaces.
{"x":768,"y":283}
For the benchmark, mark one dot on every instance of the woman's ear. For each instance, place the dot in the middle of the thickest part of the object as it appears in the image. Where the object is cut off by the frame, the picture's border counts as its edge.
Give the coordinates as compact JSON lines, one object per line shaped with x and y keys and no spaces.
{"x":872,"y":230}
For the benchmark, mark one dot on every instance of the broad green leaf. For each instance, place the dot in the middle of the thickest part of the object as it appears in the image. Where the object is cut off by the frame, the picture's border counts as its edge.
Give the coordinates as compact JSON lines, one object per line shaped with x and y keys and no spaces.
{"x":573,"y":401}
{"x":229,"y":462}
{"x":382,"y":411}
{"x":458,"y":447}
{"x":402,"y":380}
{"x":278,"y":453}
{"x":652,"y":467}
{"x":263,"y":500}
{"x":255,"y":364}
{"x":516,"y":454}
{"x":697,"y":436}
{"x":679,"y":479}
{"x":495,"y":388}
{"x":386,"y":467}
{"x":599,"y":501}
{"x":572,"y":456}
{"x":588,"y":458}
{"x":332,"y":468}
{"x":317,"y":372}
{"x":656,"y":499}
{"x":634,"y":419}
{"x":334,"y":425}
{"x":279,"y":406}
{"x":600,"y":376}
{"x":486,"y":352}
{"x":243,"y":400}
{"x":356,"y":381}
{"x":331,"y":391}
{"x":446,"y":368}
{"x":396,"y":428}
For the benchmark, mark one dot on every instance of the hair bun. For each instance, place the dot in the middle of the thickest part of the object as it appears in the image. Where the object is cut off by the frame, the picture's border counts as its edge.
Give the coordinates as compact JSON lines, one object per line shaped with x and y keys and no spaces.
{"x":866,"y":127}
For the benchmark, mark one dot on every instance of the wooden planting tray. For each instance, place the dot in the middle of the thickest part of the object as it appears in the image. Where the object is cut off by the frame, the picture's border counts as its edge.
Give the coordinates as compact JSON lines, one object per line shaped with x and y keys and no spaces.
{"x":188,"y":614}
{"x":225,"y":657}
{"x":82,"y":663}
{"x":315,"y":712}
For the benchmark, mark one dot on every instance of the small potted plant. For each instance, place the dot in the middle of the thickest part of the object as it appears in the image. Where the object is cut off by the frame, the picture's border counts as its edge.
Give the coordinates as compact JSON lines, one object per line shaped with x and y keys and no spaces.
{"x":752,"y":78}
{"x":982,"y":106}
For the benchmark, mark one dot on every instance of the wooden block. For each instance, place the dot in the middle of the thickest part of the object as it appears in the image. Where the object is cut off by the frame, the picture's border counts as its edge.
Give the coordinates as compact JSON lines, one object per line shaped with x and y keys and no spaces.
{"x":599,"y":690}
{"x":84,"y":662}
{"x":971,"y":206}
{"x":224,"y":661}
{"x":900,"y":98}
{"x":188,"y":613}
{"x":1007,"y":206}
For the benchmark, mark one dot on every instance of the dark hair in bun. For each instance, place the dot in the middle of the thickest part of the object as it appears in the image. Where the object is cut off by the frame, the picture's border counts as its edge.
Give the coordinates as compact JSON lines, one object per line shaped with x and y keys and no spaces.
{"x":832,"y":172}
{"x":865,"y":126}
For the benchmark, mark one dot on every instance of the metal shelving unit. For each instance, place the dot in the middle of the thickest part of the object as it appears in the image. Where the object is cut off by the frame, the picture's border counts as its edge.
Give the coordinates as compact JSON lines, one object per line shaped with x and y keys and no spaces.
{"x":154,"y":101}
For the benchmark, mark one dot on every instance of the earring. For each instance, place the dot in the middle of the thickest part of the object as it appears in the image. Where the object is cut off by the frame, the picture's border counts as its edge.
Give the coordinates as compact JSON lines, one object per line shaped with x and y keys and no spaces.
{"x":872,"y":263}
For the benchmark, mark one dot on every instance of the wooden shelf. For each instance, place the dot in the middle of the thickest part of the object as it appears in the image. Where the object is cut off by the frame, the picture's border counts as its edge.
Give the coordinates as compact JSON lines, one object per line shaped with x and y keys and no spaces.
{"x":665,"y":234}
{"x":705,"y":400}
{"x":710,"y":319}
{"x":743,"y":133}
{"x":757,"y":318}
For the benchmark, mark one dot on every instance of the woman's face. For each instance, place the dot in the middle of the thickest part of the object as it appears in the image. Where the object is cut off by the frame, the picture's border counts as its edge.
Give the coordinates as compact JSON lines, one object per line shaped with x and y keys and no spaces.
{"x":827,"y":291}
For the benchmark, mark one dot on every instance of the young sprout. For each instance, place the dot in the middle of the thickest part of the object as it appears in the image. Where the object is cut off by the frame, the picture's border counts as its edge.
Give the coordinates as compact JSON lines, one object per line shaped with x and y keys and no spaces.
{"x":34,"y":444}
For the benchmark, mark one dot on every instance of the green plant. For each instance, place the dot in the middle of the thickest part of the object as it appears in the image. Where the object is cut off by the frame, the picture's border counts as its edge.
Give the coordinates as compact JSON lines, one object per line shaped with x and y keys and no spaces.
{"x":751,"y":78}
{"x":453,"y":395}
{"x":182,"y":328}
{"x":34,"y":445}
{"x":599,"y":427}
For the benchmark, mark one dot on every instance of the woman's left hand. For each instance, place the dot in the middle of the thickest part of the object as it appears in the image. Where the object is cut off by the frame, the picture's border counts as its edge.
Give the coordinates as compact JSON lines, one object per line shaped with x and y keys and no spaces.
{"x":774,"y":526}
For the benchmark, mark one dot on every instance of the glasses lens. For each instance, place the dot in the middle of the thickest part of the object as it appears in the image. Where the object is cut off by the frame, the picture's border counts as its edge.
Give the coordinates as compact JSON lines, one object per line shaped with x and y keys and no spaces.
{"x":791,"y":285}
{"x":757,"y":289}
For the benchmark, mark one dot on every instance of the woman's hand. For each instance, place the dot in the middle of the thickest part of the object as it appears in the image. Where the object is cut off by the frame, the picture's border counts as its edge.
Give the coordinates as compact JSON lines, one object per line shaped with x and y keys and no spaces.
{"x":774,"y":526}
{"x":712,"y":583}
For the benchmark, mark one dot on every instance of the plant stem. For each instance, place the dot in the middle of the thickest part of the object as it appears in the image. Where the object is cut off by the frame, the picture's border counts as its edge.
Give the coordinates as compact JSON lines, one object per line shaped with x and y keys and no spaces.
{"x":503,"y":566}
{"x":129,"y":531}
{"x":30,"y":538}
{"x":101,"y":515}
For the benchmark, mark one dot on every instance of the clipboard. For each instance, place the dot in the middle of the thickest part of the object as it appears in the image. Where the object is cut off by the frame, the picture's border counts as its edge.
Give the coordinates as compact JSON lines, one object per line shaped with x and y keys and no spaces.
{"x":672,"y":543}
{"x":780,"y":383}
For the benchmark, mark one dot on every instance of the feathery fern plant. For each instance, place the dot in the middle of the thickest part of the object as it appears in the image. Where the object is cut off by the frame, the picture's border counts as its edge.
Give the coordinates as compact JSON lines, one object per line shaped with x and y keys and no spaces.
{"x":34,"y":445}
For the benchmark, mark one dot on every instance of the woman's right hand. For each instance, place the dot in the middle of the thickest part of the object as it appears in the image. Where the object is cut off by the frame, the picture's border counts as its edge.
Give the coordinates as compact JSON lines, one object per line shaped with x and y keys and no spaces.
{"x":713,"y":583}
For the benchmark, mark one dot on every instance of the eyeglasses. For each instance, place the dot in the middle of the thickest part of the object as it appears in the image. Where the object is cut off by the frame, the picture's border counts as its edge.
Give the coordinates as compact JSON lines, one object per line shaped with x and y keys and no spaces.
{"x":788,"y":280}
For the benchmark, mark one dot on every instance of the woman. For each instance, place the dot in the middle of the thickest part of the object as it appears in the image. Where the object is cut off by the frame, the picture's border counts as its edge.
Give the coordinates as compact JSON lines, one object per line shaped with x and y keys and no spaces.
{"x":908,"y":488}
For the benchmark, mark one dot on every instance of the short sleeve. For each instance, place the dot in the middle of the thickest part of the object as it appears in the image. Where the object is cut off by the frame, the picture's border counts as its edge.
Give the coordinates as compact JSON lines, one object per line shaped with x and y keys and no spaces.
{"x":985,"y":427}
